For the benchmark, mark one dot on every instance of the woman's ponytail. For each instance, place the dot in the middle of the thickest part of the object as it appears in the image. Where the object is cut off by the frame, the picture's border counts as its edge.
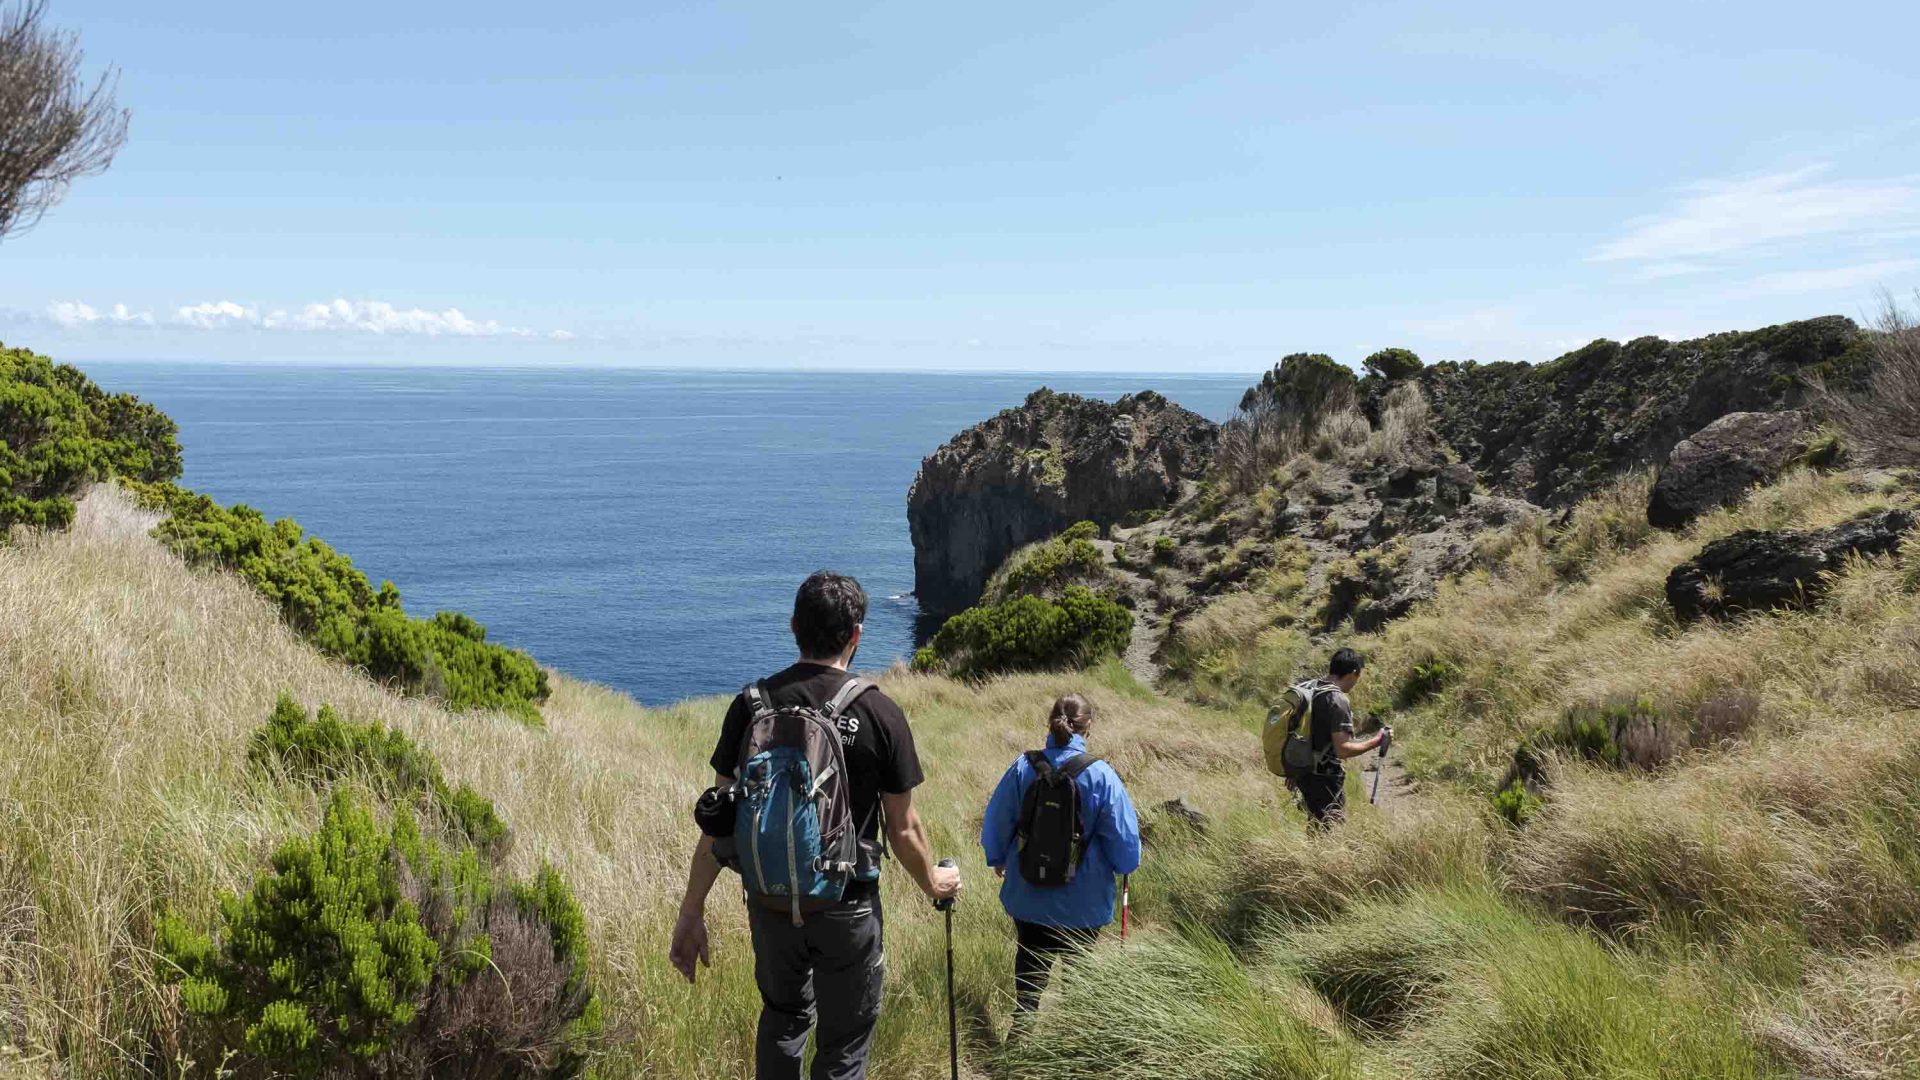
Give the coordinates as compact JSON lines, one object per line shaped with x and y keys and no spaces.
{"x":1071,"y":715}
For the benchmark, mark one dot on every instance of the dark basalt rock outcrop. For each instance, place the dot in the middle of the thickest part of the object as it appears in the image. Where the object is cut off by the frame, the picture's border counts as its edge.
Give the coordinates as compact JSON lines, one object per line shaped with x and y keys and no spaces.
{"x":1032,"y":471}
{"x":1716,"y":465}
{"x":1557,"y":432}
{"x":1756,"y":570}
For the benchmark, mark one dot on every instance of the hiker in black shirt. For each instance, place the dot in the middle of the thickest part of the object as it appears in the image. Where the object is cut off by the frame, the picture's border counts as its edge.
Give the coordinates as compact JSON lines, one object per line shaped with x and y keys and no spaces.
{"x":832,"y":962}
{"x":1324,"y":789}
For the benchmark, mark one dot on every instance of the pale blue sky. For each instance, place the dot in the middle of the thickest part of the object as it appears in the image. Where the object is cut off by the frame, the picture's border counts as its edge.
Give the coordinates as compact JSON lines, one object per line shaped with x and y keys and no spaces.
{"x":1128,"y":186}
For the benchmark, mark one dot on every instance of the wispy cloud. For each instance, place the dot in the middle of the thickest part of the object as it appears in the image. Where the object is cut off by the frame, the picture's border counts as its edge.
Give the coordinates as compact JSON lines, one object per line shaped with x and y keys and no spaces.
{"x":1768,"y":215}
{"x":330,"y":317}
{"x":1833,"y":279}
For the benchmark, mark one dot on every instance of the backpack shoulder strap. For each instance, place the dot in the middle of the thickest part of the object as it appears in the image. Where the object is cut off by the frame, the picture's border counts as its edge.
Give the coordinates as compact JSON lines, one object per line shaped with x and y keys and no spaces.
{"x":759,"y":699}
{"x":1077,"y":764}
{"x":845,"y":696}
{"x":1042,"y":768}
{"x":1310,"y":691}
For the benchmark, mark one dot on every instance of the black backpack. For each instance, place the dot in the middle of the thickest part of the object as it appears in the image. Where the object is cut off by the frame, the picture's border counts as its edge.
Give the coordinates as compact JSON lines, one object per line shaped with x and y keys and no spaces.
{"x":1051,"y":836}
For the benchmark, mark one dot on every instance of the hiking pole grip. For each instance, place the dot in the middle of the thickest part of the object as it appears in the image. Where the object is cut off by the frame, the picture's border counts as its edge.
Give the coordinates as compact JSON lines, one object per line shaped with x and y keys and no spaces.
{"x":946,"y":904}
{"x":1126,"y":906}
{"x":1385,"y":741}
{"x":953,"y":1021}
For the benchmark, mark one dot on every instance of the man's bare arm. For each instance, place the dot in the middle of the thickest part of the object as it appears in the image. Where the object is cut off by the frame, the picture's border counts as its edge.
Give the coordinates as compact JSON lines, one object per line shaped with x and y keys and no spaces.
{"x":908,"y":839}
{"x":1346,"y":746}
{"x":690,"y":928}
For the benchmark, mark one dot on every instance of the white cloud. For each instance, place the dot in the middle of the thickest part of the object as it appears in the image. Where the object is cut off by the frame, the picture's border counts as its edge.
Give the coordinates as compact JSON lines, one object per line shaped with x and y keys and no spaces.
{"x":380,"y":317}
{"x":72,"y":313}
{"x":377,"y":317}
{"x":1833,"y":279}
{"x":1768,"y":215}
{"x":216,"y":315}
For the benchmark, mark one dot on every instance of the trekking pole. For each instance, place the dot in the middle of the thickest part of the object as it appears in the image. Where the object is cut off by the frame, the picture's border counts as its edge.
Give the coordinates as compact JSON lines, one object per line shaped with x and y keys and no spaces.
{"x":1125,"y":906}
{"x":1380,"y":768}
{"x":953,"y":1029}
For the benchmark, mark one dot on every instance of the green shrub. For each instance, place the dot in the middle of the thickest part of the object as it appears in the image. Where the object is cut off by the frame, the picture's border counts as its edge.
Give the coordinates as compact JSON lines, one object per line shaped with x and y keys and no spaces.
{"x":1081,"y":530}
{"x":1164,"y":548}
{"x":60,"y":432}
{"x":331,"y":603}
{"x":1047,"y":568}
{"x":323,"y":748}
{"x":1392,"y":365}
{"x":372,"y":950}
{"x":1620,"y":734}
{"x":1426,"y":679}
{"x":1517,"y":803}
{"x":1825,"y":448}
{"x":1031,"y":633}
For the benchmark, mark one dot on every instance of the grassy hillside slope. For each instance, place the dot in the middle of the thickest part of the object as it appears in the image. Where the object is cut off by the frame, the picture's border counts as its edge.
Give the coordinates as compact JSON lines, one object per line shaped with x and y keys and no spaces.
{"x":129,"y":685}
{"x":1742,"y":902}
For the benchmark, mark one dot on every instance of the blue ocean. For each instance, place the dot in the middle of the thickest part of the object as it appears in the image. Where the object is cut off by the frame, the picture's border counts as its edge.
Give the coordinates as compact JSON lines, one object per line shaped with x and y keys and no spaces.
{"x":642,"y":528}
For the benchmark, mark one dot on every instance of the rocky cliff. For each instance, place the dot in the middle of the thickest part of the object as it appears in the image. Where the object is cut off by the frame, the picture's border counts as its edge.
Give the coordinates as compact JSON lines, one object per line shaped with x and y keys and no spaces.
{"x":1034,"y":470}
{"x":1557,"y":432}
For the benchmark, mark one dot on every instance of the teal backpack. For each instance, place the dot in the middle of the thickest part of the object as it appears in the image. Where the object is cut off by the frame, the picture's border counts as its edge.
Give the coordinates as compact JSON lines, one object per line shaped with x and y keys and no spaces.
{"x":794,"y":841}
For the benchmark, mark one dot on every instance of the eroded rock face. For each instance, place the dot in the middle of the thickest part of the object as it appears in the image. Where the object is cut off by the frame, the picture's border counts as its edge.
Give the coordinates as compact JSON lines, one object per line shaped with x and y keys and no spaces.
{"x":1716,"y":465}
{"x":1032,"y":471}
{"x":1756,"y":570}
{"x":1557,"y":432}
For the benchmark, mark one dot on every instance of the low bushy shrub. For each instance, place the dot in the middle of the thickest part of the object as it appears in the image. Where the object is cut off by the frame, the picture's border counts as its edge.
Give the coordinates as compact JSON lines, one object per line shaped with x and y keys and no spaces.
{"x":323,"y":748}
{"x":1048,"y":568}
{"x":1081,"y":530}
{"x":330,"y":602}
{"x":1030,"y":633}
{"x":1621,"y":735}
{"x":60,"y":432}
{"x":1516,"y":803}
{"x":1426,"y":679}
{"x":1392,"y":365}
{"x":372,"y":950}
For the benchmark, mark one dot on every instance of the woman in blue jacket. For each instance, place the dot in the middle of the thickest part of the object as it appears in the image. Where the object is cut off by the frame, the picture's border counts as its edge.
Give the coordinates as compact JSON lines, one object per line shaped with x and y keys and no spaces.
{"x":1049,"y":921}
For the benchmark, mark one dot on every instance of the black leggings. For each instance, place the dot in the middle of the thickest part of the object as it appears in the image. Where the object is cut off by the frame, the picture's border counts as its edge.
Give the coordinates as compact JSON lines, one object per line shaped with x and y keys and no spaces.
{"x":1035,"y":950}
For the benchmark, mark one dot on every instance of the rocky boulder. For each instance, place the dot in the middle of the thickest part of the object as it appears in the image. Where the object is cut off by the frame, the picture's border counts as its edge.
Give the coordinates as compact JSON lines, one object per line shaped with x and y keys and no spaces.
{"x":1717,"y":464}
{"x":1756,"y":570}
{"x":1032,"y":471}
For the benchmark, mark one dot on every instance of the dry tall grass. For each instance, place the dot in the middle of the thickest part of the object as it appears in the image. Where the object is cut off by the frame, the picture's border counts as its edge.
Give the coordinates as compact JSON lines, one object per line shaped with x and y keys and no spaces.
{"x":1721,"y":914}
{"x":129,"y":686}
{"x":1882,"y":421}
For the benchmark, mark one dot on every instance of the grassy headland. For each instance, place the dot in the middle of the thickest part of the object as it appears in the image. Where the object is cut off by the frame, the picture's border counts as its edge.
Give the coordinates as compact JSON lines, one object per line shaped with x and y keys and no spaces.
{"x":1628,"y":846}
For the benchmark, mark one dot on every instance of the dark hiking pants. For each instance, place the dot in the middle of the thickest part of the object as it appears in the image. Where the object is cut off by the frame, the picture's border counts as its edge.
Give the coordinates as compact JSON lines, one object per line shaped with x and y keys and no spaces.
{"x":833,"y":967}
{"x":1325,"y":798}
{"x":1036,"y":948}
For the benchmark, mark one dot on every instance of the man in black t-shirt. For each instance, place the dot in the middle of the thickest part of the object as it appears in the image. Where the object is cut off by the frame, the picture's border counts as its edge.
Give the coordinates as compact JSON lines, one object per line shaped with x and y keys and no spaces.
{"x":834,"y":959}
{"x":1330,"y":733}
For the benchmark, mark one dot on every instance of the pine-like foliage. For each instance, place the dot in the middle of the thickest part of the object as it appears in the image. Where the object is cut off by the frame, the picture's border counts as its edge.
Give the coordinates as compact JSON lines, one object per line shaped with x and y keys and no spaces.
{"x":1029,"y":633}
{"x":371,"y":949}
{"x":322,"y":749}
{"x":60,"y":432}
